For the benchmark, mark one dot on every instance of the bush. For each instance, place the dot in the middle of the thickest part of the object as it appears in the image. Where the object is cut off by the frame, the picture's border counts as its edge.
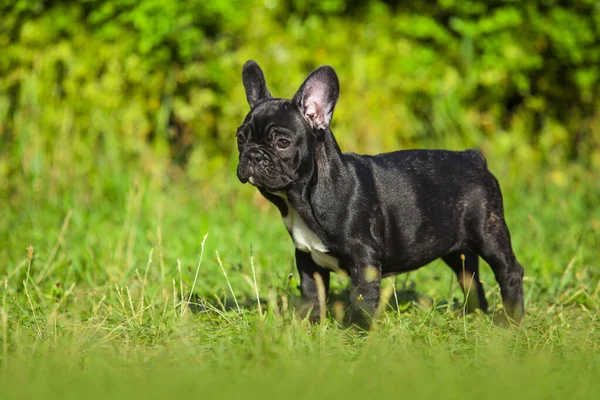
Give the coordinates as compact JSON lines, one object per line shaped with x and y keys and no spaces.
{"x":153,"y":83}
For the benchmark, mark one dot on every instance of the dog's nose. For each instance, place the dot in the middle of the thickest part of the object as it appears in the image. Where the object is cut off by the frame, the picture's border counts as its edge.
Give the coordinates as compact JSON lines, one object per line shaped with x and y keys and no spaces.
{"x":255,"y":156}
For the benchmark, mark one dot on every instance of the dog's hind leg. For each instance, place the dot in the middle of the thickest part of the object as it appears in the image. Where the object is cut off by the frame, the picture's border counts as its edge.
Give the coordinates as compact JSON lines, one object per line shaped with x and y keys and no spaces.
{"x":465,"y":265}
{"x":496,"y":249}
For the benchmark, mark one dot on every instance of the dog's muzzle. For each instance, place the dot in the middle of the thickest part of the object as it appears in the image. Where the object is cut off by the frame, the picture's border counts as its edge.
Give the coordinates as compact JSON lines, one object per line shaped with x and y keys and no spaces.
{"x":261,"y":170}
{"x":252,"y":166}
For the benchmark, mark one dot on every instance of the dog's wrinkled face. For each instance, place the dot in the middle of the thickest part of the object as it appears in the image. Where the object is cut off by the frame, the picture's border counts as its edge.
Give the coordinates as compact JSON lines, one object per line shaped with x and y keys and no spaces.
{"x":278,"y":137}
{"x":273,"y":141}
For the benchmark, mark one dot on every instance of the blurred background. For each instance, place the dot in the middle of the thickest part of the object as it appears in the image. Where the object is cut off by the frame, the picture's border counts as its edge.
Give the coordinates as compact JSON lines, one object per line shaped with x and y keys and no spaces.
{"x":155,"y":84}
{"x":118,"y":116}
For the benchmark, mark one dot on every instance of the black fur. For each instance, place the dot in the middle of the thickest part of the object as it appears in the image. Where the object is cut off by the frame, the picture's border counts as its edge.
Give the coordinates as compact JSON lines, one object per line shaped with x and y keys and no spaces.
{"x":377,"y":215}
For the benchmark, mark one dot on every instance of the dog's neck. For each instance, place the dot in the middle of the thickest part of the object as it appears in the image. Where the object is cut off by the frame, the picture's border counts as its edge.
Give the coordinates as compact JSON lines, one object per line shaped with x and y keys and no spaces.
{"x":328,"y":160}
{"x":323,"y":176}
{"x":322,"y":173}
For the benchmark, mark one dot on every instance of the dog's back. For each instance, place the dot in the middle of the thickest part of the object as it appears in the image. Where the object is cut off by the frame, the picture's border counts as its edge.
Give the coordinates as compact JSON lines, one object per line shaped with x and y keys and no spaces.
{"x":426,"y":203}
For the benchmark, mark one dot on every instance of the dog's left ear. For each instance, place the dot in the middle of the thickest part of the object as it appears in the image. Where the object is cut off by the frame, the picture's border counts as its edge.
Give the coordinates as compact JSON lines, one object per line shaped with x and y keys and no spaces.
{"x":317,"y":96}
{"x":254,"y":83}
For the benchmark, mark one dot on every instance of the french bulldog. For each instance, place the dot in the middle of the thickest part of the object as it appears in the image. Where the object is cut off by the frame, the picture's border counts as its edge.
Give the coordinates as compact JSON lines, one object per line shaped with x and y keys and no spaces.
{"x":371,"y":216}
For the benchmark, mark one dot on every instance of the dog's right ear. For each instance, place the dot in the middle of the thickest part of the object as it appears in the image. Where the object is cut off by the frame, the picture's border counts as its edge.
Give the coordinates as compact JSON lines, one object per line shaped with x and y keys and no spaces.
{"x":317,"y":96}
{"x":254,"y":83}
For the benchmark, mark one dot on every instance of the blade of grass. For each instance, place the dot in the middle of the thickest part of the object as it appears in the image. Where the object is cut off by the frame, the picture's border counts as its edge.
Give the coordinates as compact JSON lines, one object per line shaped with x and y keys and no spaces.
{"x":197,"y":271}
{"x":255,"y":284}
{"x":229,"y":284}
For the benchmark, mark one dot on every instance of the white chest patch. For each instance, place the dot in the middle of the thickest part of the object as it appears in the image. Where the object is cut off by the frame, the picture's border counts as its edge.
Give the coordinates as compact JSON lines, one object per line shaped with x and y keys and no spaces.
{"x":306,"y":240}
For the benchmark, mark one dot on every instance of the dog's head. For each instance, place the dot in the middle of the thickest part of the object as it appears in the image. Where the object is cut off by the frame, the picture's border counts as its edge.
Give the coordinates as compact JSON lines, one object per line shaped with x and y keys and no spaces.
{"x":278,"y":137}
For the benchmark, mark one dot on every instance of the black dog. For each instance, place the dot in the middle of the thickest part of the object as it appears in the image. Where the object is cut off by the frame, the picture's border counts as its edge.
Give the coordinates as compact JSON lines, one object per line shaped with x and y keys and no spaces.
{"x":371,"y":216}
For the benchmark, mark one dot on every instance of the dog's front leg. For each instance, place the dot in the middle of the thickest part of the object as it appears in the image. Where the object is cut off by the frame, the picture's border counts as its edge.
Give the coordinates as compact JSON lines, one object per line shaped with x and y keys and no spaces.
{"x":364,"y":293}
{"x":314,"y":286}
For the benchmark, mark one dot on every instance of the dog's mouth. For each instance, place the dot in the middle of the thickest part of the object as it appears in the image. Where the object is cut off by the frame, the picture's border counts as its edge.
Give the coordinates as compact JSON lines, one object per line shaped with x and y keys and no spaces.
{"x":253,"y":181}
{"x":271,"y":186}
{"x":271,"y":183}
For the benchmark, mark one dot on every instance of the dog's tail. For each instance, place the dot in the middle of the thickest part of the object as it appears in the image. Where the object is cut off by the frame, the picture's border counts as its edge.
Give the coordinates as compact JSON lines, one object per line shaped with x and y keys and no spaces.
{"x":478,"y":155}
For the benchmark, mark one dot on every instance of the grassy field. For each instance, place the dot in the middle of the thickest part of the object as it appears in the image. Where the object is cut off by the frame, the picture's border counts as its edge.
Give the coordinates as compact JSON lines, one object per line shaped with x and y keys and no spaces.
{"x":134,"y":264}
{"x":123,"y":284}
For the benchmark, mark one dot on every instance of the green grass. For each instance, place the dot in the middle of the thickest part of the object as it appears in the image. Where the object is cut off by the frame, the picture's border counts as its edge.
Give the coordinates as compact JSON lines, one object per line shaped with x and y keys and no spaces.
{"x":99,"y":307}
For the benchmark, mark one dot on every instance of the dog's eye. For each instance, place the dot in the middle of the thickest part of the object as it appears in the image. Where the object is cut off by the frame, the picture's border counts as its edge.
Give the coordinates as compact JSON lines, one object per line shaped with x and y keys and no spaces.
{"x":240,"y":138}
{"x":283,"y":143}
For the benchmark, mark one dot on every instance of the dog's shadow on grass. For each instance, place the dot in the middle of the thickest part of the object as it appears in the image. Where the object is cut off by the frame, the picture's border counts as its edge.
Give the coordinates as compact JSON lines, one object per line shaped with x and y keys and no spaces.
{"x":403,"y":301}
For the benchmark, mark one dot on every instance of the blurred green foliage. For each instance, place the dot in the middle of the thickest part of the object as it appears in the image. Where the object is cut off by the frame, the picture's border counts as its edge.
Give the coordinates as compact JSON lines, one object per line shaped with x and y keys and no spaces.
{"x":156,"y":83}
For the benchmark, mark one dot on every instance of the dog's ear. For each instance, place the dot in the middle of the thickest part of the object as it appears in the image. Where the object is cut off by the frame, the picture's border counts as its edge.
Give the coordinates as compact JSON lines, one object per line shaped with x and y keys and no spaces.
{"x":254,"y":83}
{"x":317,"y":96}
